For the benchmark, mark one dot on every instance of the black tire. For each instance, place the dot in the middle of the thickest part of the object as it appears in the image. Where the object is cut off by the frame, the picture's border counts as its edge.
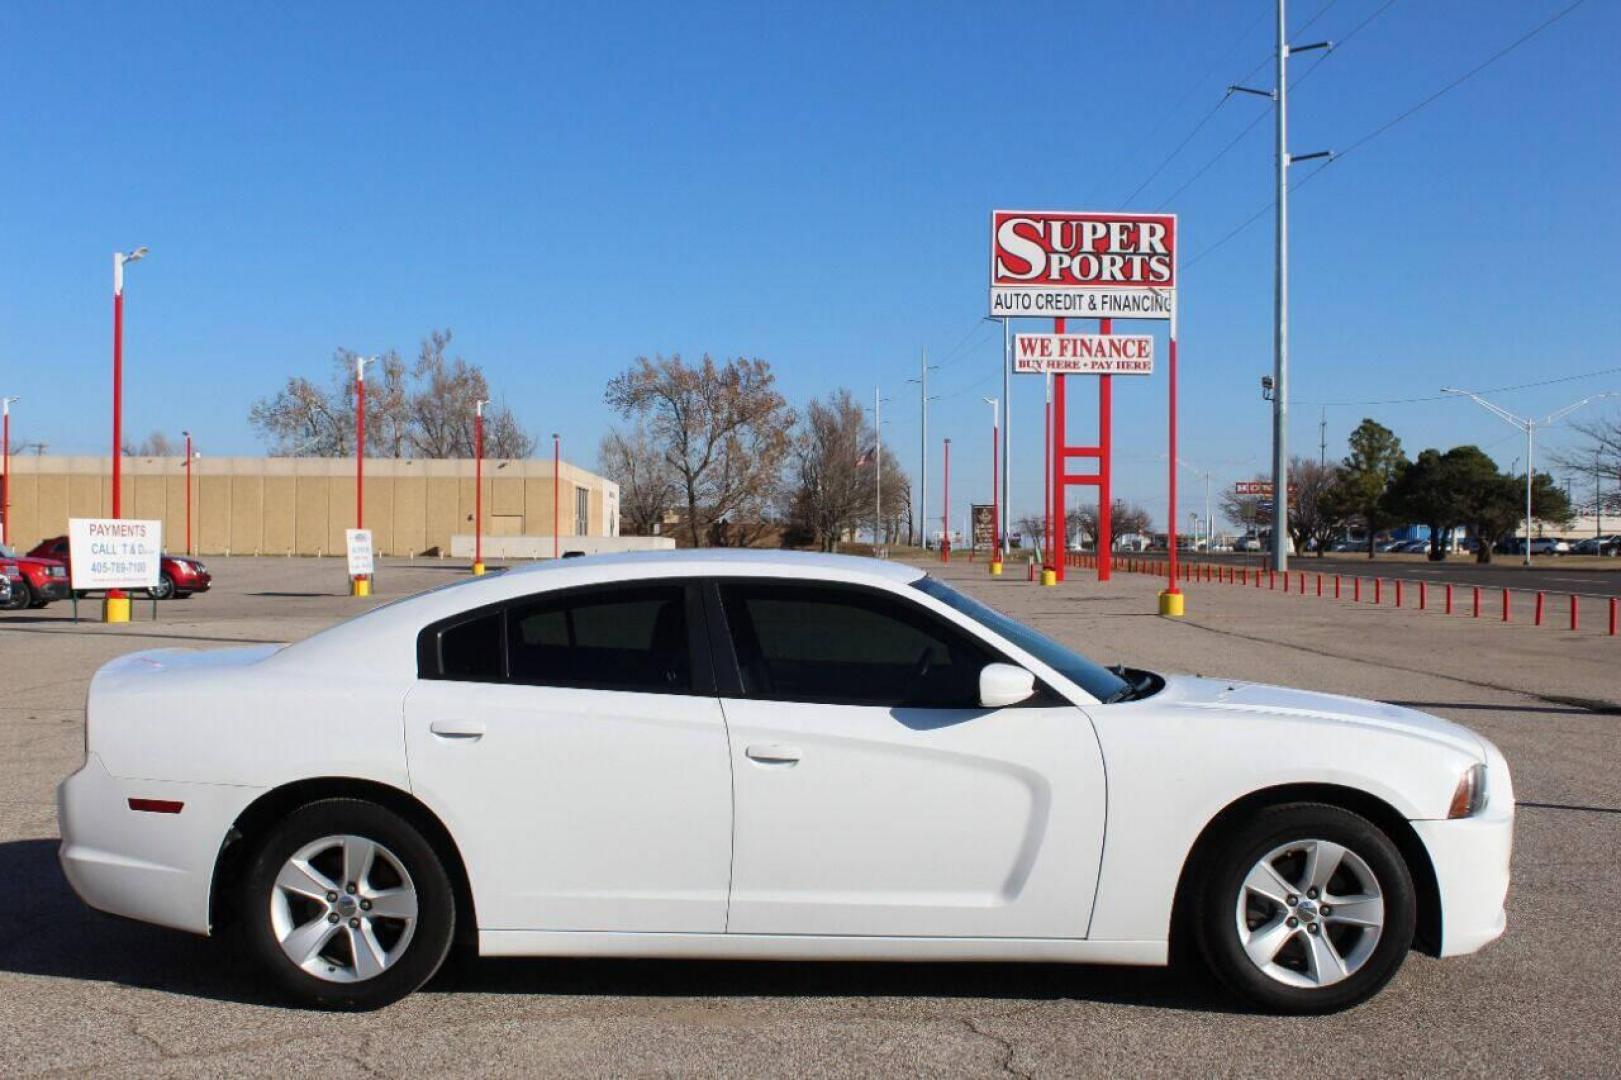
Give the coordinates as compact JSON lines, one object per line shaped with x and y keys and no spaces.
{"x":20,"y":597}
{"x":423,"y":951}
{"x":164,"y":589}
{"x":1215,"y":918}
{"x":33,"y":599}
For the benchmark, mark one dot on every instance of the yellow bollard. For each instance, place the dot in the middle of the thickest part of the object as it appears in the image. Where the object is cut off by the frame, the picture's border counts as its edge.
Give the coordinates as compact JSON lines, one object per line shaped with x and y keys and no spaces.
{"x":1048,"y":576}
{"x":478,"y":569}
{"x":996,"y":568}
{"x":115,"y":609}
{"x":1171,"y":604}
{"x":362,"y":586}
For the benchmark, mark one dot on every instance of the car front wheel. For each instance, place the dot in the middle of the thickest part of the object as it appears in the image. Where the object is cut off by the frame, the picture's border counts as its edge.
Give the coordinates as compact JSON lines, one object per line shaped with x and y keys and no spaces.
{"x":347,"y":906}
{"x":1306,"y":908}
{"x":164,"y":588}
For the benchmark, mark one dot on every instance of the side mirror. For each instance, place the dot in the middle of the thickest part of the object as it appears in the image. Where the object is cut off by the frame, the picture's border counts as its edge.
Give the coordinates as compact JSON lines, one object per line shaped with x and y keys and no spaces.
{"x":1001,"y":685}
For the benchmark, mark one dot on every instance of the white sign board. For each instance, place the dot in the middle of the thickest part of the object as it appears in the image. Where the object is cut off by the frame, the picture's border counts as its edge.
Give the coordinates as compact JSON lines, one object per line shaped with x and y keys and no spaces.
{"x":1084,"y":354}
{"x":359,"y":544}
{"x":114,"y":553}
{"x":1054,"y":264}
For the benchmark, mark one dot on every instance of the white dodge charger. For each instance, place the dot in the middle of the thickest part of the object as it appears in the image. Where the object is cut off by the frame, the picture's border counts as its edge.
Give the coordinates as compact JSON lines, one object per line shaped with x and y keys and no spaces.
{"x":773,"y":756}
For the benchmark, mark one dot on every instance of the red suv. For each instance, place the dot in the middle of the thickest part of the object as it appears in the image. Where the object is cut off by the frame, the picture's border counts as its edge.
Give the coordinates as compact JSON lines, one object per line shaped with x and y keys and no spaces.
{"x":178,"y":576}
{"x":35,"y":582}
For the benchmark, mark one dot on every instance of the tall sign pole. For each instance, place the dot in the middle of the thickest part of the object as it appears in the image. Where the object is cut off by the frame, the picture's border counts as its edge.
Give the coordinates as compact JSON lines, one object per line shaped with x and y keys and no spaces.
{"x":5,"y":469}
{"x":478,"y":486}
{"x":362,"y":582}
{"x":996,"y":487}
{"x":187,"y":434}
{"x":116,"y":606}
{"x":945,"y":512}
{"x":1280,"y":308}
{"x":1170,"y":601}
{"x":557,"y":482}
{"x":1006,"y":520}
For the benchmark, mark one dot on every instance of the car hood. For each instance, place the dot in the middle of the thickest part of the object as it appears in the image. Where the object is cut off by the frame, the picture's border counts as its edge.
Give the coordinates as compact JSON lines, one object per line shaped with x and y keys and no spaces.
{"x":1259,"y":699}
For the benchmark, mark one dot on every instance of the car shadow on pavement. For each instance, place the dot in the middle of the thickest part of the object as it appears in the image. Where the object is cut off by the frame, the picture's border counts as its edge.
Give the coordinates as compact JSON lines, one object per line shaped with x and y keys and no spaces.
{"x":1158,"y":988}
{"x":47,"y":931}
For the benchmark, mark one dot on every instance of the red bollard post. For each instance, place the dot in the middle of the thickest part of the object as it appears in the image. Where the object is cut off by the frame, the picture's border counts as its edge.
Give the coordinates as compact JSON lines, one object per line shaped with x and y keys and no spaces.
{"x":1574,"y":617}
{"x":1356,"y":590}
{"x":1615,"y":609}
{"x":1378,"y":589}
{"x":1286,"y":581}
{"x":1423,"y":596}
{"x":1505,"y":606}
{"x":1302,"y":583}
{"x":1449,"y":598}
{"x":1272,"y":579}
{"x":1319,"y":584}
{"x":1398,"y":592}
{"x":1477,"y":602}
{"x":1336,"y":586}
{"x":1536,"y":619}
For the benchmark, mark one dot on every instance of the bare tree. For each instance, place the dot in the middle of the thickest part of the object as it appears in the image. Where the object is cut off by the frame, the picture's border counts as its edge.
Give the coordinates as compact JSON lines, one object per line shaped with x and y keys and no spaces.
{"x":424,"y":410}
{"x":1316,"y":507}
{"x":832,"y":472}
{"x":156,"y":444}
{"x":646,"y":479}
{"x":725,"y":430}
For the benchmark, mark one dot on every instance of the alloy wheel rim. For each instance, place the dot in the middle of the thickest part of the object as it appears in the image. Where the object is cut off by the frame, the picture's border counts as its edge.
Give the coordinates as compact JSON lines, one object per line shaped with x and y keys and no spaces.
{"x":1310,"y":913}
{"x":343,"y":908}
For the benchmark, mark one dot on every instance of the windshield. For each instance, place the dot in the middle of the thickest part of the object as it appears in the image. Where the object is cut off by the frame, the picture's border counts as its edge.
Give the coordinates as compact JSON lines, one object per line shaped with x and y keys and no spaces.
{"x":1095,"y":679}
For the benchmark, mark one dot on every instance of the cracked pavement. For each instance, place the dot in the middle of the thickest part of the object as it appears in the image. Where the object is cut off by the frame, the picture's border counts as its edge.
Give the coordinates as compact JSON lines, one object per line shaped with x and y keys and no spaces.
{"x":85,"y":993}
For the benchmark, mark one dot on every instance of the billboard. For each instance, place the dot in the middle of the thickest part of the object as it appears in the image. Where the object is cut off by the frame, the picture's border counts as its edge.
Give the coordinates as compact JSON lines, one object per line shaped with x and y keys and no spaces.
{"x":1253,"y":487}
{"x":1084,"y":354}
{"x":114,"y":553}
{"x":1100,"y":265}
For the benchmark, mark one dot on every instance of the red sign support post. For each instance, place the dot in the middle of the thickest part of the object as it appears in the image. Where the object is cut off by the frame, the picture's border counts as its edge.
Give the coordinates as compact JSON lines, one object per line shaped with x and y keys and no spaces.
{"x":945,"y":509}
{"x":1059,"y":454}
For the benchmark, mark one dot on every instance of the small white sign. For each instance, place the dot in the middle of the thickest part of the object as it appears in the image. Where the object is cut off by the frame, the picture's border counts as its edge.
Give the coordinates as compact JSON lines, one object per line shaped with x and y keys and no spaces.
{"x":1084,"y":354}
{"x":360,"y":558}
{"x":115,"y":553}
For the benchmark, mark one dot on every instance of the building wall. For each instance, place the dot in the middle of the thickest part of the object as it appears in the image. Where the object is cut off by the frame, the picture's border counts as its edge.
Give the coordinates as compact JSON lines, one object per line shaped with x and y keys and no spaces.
{"x":301,"y":506}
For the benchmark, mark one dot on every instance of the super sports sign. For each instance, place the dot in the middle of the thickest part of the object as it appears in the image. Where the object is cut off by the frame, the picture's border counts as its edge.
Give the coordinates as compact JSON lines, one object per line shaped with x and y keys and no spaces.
{"x":1061,"y":264}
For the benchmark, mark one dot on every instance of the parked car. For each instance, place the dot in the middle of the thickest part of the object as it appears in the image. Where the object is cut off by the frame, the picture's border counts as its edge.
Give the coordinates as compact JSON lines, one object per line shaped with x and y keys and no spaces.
{"x":5,"y":589}
{"x":38,"y":580}
{"x":178,"y":575}
{"x":1545,"y":545}
{"x":1248,"y":543}
{"x":1598,"y":545}
{"x":772,"y":755}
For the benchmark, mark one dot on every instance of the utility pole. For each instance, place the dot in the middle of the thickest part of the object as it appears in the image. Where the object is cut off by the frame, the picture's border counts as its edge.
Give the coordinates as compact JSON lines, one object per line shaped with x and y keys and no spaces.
{"x":1529,"y":426}
{"x":5,"y":471}
{"x":1280,"y":288}
{"x":878,"y":468}
{"x":1322,"y":439}
{"x":923,"y":446}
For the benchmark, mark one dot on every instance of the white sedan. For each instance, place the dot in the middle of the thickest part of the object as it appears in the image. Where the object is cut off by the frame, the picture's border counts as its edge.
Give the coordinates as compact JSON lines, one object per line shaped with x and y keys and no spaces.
{"x":772,"y":756}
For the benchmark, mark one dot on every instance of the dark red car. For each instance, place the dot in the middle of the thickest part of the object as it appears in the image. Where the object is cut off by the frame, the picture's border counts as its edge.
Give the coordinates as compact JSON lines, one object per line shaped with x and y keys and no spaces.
{"x":35,"y":582}
{"x":178,"y":575}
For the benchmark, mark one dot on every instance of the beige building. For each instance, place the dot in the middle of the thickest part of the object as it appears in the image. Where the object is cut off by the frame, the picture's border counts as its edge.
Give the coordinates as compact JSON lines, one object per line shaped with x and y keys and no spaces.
{"x":301,"y":506}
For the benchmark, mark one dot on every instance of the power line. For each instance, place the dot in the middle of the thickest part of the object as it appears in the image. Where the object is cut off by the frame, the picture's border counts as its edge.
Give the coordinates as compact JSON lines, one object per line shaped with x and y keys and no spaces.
{"x":1488,"y":390}
{"x":1304,"y":75}
{"x":1387,"y":125}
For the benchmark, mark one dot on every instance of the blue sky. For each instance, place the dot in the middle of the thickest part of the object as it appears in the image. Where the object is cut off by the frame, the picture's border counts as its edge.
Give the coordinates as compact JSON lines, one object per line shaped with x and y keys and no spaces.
{"x":570,"y":186}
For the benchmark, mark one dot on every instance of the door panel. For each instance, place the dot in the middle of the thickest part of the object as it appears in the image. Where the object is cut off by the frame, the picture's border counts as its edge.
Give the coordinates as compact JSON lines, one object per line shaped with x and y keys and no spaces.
{"x":579,"y":809}
{"x":914,"y":821}
{"x":875,"y":797}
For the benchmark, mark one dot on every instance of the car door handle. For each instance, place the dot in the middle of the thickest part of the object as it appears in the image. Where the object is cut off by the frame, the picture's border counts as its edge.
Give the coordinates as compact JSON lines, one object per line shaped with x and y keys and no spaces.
{"x":457,"y":729}
{"x":773,"y":754}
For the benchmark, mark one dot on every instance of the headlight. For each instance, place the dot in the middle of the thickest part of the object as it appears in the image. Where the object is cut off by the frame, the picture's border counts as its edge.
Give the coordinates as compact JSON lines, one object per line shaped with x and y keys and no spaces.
{"x":1470,"y":795}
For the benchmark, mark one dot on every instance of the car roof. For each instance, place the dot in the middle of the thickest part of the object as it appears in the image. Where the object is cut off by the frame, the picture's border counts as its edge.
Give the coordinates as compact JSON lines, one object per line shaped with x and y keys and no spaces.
{"x":390,"y":630}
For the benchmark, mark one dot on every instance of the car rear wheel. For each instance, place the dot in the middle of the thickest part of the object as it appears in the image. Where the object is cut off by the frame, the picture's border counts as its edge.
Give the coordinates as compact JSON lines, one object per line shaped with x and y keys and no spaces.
{"x":164,"y":588}
{"x":1305,"y":908}
{"x":21,"y":597}
{"x":347,"y":906}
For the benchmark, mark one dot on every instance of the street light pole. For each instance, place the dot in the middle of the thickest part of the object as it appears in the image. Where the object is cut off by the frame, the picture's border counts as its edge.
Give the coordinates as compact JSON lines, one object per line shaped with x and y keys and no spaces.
{"x":478,"y":486}
{"x":5,"y":470}
{"x":1529,"y":426}
{"x":116,"y":606}
{"x":945,"y":513}
{"x":557,"y":474}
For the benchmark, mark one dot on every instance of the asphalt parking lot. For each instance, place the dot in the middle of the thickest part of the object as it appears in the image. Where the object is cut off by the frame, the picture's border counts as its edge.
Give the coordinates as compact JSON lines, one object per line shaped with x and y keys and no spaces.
{"x":83,"y":992}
